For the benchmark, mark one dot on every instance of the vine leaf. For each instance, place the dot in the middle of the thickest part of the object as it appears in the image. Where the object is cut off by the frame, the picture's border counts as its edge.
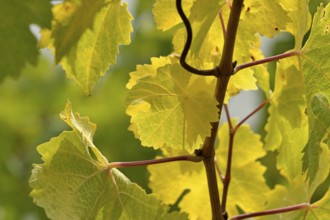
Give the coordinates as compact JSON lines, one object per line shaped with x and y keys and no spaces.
{"x":18,"y":45}
{"x":203,"y":15}
{"x":86,"y":49}
{"x":76,"y":183}
{"x":301,"y":84}
{"x":85,"y":128}
{"x":147,"y":70}
{"x":168,"y":8}
{"x":287,"y":117}
{"x":192,"y":177}
{"x":172,"y":108}
{"x":207,"y":32}
{"x":316,"y":211}
{"x":316,"y":70}
{"x":300,"y":191}
{"x":267,"y":17}
{"x":71,"y":20}
{"x":298,"y":11}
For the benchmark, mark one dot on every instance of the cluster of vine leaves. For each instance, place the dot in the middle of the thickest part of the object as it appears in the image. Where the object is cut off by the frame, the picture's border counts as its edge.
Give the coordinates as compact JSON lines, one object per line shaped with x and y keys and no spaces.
{"x":177,"y":105}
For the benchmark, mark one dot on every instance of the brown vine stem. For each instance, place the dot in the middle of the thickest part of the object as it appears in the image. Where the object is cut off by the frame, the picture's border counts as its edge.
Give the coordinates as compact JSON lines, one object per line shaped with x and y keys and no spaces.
{"x":224,"y":71}
{"x":217,"y":167}
{"x":266,"y":60}
{"x":190,"y":158}
{"x":232,"y":132}
{"x":273,"y":211}
{"x":263,"y":104}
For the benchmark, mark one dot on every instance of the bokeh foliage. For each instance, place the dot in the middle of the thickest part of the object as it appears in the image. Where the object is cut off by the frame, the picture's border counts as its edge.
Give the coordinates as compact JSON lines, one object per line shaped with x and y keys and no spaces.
{"x":29,"y":108}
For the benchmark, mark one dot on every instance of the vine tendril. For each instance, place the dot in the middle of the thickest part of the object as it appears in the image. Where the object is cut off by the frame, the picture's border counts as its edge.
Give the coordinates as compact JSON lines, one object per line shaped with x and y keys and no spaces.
{"x":184,"y":64}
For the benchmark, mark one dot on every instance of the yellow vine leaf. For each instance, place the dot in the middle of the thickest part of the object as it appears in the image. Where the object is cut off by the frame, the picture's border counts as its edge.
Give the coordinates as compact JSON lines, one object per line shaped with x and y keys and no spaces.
{"x":85,"y":49}
{"x":208,"y":54}
{"x":287,"y":117}
{"x":300,"y":19}
{"x":246,"y":173}
{"x":266,"y":18}
{"x":147,"y":70}
{"x":172,"y":108}
{"x":168,"y":8}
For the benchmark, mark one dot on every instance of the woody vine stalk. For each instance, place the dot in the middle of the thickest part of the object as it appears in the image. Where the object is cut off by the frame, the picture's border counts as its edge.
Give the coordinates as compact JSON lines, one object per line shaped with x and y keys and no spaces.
{"x":223,"y":72}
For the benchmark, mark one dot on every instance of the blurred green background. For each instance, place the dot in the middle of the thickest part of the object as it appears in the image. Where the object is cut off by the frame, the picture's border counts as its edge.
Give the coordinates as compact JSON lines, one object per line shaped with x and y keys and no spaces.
{"x":30,"y":105}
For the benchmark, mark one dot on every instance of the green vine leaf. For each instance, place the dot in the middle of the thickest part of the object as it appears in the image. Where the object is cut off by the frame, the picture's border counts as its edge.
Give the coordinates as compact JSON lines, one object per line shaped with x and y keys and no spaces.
{"x":106,"y":25}
{"x":192,"y":177}
{"x":316,"y":211}
{"x":76,"y":183}
{"x":85,"y":128}
{"x":316,"y":70}
{"x":299,"y":191}
{"x":172,"y":108}
{"x":18,"y":45}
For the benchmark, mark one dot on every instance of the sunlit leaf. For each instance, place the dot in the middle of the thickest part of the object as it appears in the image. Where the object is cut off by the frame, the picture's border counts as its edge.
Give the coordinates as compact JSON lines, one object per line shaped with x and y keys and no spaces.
{"x":172,"y":108}
{"x":83,"y":126}
{"x":76,"y":183}
{"x":18,"y":45}
{"x":147,"y":70}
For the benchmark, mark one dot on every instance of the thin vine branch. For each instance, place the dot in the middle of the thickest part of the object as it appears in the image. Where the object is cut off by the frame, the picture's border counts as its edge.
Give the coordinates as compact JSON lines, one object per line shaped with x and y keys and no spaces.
{"x":225,"y":106}
{"x":266,"y":60}
{"x":273,"y":211}
{"x":217,"y":167}
{"x":232,"y":132}
{"x":184,"y":64}
{"x":229,"y":4}
{"x":227,"y":178}
{"x":190,"y":158}
{"x":263,"y":104}
{"x":222,"y":22}
{"x":224,"y":72}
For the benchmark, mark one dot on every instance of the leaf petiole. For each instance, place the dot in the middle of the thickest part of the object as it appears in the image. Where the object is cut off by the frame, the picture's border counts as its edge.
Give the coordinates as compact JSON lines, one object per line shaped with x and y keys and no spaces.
{"x":266,"y":60}
{"x":232,"y":132}
{"x":273,"y":211}
{"x":250,"y":115}
{"x":190,"y":158}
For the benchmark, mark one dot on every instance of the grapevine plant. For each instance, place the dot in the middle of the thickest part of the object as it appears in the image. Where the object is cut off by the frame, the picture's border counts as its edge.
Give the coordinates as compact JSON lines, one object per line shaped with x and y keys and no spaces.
{"x":209,"y":170}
